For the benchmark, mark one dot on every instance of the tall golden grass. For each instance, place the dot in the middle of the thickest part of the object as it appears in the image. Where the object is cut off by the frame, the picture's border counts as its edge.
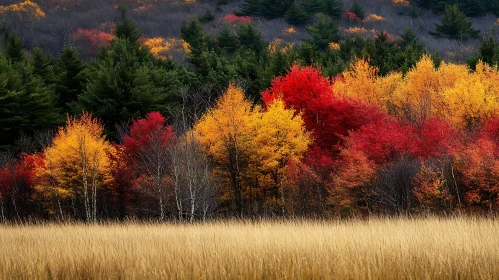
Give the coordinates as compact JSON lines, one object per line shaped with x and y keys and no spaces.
{"x":375,"y":249}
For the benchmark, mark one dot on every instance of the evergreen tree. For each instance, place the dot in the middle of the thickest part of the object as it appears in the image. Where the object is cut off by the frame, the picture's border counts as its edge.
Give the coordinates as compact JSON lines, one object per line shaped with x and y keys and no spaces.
{"x":250,"y":38}
{"x":296,"y":15}
{"x":44,"y":64}
{"x":492,"y":6}
{"x":427,"y":4}
{"x":11,"y":97}
{"x":358,"y":10}
{"x":70,"y":79}
{"x":251,"y":7}
{"x":455,"y":24}
{"x":227,"y":41}
{"x":279,"y":63}
{"x":471,"y":8}
{"x":488,"y":52}
{"x":126,"y":28}
{"x":334,"y":8}
{"x":314,"y":6}
{"x":308,"y":54}
{"x":248,"y":68}
{"x":14,"y":48}
{"x":122,"y":87}
{"x":26,"y":102}
{"x":207,"y":16}
{"x":324,"y":31}
{"x":275,"y":8}
{"x":192,"y":32}
{"x":125,"y":82}
{"x":39,"y":105}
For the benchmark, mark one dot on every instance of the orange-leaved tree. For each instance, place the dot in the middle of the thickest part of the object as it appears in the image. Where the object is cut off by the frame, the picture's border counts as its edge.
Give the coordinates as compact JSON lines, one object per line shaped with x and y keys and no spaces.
{"x":225,"y":135}
{"x":76,"y":166}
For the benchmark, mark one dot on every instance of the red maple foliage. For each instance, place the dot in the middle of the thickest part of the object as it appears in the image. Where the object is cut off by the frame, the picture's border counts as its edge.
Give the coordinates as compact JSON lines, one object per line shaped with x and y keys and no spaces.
{"x":329,"y":119}
{"x":231,"y":18}
{"x":97,"y":38}
{"x":382,"y":141}
{"x":143,"y":132}
{"x":435,"y":138}
{"x":17,"y":183}
{"x":351,"y":16}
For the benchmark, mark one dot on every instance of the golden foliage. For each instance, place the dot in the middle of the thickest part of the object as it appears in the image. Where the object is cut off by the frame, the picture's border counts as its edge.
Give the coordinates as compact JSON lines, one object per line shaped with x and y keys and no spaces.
{"x":76,"y":159}
{"x":26,"y":10}
{"x":361,"y":31}
{"x":401,"y":2}
{"x":334,"y":46}
{"x":247,"y":142}
{"x":451,"y":92}
{"x":360,"y":83}
{"x":280,"y":45}
{"x":167,"y":48}
{"x":226,"y":124}
{"x":279,"y":136}
{"x":374,"y":18}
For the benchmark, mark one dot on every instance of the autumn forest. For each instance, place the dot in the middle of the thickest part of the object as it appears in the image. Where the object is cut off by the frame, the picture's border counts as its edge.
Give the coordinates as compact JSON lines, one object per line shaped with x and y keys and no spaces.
{"x":334,"y":115}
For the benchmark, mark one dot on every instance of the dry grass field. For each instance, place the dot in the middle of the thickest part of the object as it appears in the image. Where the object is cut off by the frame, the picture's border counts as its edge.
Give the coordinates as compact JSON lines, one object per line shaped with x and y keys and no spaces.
{"x":377,"y":249}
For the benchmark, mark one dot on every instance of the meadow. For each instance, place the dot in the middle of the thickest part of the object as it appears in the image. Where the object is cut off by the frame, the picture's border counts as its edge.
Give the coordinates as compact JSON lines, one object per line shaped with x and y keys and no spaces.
{"x":424,"y":248}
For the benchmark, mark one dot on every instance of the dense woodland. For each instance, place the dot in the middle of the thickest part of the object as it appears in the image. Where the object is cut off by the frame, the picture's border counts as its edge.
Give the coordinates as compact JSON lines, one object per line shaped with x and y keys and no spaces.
{"x":106,"y":123}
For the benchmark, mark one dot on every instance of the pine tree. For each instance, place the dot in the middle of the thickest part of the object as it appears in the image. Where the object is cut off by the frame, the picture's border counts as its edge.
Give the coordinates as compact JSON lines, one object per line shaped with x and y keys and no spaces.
{"x":455,"y":24}
{"x":275,"y":8}
{"x":488,"y":52}
{"x":250,"y":38}
{"x":472,"y":8}
{"x":26,"y":102}
{"x":427,"y":4}
{"x":192,"y":32}
{"x":324,"y":31}
{"x":207,"y":16}
{"x":44,"y":64}
{"x":296,"y":15}
{"x":70,"y":80}
{"x":492,"y":6}
{"x":227,"y":41}
{"x":122,"y":87}
{"x":358,"y":10}
{"x":279,"y":64}
{"x":39,"y":105}
{"x":251,"y":8}
{"x":126,"y":28}
{"x":334,"y":8}
{"x":14,"y":48}
{"x":11,"y":97}
{"x":314,"y":6}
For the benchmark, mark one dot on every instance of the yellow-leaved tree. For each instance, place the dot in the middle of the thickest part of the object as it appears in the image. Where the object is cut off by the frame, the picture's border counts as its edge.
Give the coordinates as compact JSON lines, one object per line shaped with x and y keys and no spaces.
{"x":246,"y":143}
{"x":451,"y":92}
{"x":225,"y":135}
{"x":416,"y":96}
{"x":280,"y":137}
{"x":473,"y":98}
{"x":360,"y":83}
{"x":25,"y":11}
{"x":76,"y":166}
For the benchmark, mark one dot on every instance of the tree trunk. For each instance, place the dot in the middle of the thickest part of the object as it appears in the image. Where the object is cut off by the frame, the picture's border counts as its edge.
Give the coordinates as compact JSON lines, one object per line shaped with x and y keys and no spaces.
{"x":2,"y":214}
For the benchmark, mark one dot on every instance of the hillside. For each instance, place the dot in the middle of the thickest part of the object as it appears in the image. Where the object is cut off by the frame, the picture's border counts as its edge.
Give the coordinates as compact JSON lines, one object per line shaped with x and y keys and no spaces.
{"x":62,"y":19}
